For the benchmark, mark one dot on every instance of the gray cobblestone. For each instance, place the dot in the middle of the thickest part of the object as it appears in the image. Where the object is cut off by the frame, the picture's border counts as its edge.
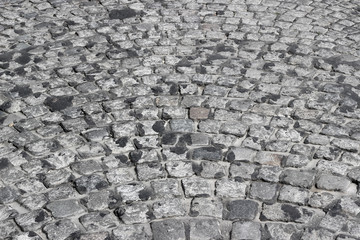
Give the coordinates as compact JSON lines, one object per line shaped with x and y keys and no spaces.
{"x":263,"y":191}
{"x":241,"y":209}
{"x":194,"y":119}
{"x":332,"y":182}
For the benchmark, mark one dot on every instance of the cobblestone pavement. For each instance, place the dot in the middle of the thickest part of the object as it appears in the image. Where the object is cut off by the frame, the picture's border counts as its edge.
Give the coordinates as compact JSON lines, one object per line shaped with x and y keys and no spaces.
{"x":186,"y":119}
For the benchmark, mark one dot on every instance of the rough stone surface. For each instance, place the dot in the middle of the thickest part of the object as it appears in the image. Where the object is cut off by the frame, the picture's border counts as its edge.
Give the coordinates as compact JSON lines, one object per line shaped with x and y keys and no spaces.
{"x":241,"y":209}
{"x":199,"y":113}
{"x":333,"y":182}
{"x":191,"y":119}
{"x":61,"y":230}
{"x":263,"y":191}
{"x":168,"y":229}
{"x":196,"y":187}
{"x":65,"y":208}
{"x":246,"y":230}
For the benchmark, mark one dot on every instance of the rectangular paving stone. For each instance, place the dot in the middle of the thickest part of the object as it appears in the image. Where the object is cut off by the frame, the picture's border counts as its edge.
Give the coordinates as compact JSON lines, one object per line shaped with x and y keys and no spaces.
{"x":199,"y":113}
{"x":206,"y":207}
{"x":298,"y":178}
{"x":197,"y":187}
{"x":168,"y":229}
{"x":333,"y":182}
{"x":241,"y":210}
{"x":289,"y":213}
{"x":65,"y":208}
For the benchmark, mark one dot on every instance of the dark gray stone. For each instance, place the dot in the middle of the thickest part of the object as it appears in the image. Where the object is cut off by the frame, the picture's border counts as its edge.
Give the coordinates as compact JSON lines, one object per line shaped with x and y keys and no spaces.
{"x":241,"y":209}
{"x":207,"y":153}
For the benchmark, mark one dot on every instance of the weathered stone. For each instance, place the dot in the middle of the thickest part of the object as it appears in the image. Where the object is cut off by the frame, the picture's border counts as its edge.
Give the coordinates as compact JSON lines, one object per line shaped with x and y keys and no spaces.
{"x":148,"y":171}
{"x":333,"y":221}
{"x":266,"y":158}
{"x":211,"y":170}
{"x":294,"y":160}
{"x":98,"y":200}
{"x":124,"y":129}
{"x":333,"y":182}
{"x":246,"y":230}
{"x":135,"y":213}
{"x":98,"y":221}
{"x":243,"y":170}
{"x":7,"y":212}
{"x":134,"y":192}
{"x":235,"y":128}
{"x":288,"y":213}
{"x":182,"y":125}
{"x":235,"y":154}
{"x":168,"y":229}
{"x":60,"y":192}
{"x":65,"y":208}
{"x":294,"y":194}
{"x":199,"y":113}
{"x":61,"y":230}
{"x":346,"y":144}
{"x":86,"y":167}
{"x":282,"y":231}
{"x":61,"y":159}
{"x":321,"y":199}
{"x":204,"y":229}
{"x":328,"y":153}
{"x":206,"y":207}
{"x":230,"y":189}
{"x":241,"y":209}
{"x":263,"y":191}
{"x":179,"y":169}
{"x":86,"y":184}
{"x":269,"y":173}
{"x":42,"y":147}
{"x":207,"y":153}
{"x":199,"y":139}
{"x":167,"y":188}
{"x":27,"y":236}
{"x":91,"y":150}
{"x":95,"y":236}
{"x":196,"y":187}
{"x":314,"y":234}
{"x":354,"y":228}
{"x":333,"y":167}
{"x":120,"y":176}
{"x":8,"y":194}
{"x":8,"y":228}
{"x":132,"y":232}
{"x":298,"y":178}
{"x":32,"y":220}
{"x":168,"y":208}
{"x":57,"y":177}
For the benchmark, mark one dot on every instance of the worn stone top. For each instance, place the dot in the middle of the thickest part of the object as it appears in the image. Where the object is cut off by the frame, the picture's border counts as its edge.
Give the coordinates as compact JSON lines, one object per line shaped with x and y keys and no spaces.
{"x":187,"y":119}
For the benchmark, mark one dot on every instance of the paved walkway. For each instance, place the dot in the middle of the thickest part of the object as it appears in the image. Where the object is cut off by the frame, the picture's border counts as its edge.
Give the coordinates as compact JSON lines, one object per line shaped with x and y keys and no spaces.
{"x":179,"y":119}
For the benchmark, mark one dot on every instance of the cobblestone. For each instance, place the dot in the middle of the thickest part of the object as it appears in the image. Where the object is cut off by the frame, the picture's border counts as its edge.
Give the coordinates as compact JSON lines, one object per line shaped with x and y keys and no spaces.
{"x":194,"y":119}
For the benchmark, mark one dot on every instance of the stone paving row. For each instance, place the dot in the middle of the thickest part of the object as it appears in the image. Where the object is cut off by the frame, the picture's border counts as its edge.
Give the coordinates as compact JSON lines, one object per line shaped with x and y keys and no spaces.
{"x":186,"y":119}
